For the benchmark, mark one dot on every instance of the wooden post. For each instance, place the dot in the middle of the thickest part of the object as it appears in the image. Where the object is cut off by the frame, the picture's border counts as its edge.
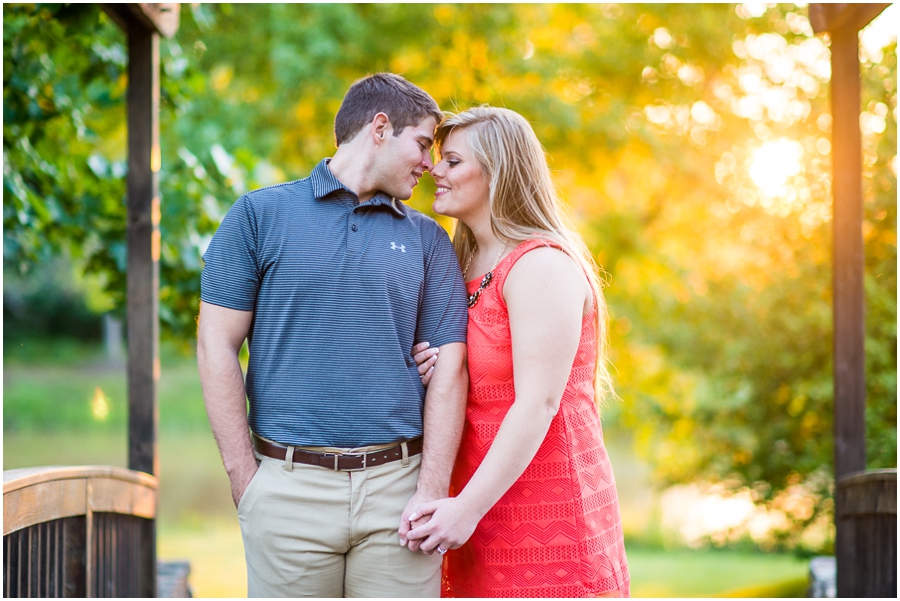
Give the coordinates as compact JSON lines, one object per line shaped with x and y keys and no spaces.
{"x":143,"y":262}
{"x":143,"y":249}
{"x":849,"y":317}
{"x":143,"y":24}
{"x":858,"y":554}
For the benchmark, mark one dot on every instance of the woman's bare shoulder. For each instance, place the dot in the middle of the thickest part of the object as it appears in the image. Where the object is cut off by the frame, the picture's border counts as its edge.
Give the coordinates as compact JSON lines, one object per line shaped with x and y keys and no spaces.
{"x":543,"y":267}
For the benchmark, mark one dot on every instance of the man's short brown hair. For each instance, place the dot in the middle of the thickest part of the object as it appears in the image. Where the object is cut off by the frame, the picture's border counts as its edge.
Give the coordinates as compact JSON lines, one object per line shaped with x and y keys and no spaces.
{"x":403,"y":103}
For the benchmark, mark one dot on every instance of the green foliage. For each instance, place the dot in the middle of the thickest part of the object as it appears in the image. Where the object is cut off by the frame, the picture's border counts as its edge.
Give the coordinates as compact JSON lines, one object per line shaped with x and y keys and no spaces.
{"x":880,"y":235}
{"x":653,"y":117}
{"x":64,"y":156}
{"x":46,"y":305}
{"x":62,"y":88}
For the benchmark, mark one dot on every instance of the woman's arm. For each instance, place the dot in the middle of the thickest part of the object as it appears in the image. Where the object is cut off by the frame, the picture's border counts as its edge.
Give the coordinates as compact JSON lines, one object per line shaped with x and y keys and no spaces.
{"x":545,"y":293}
{"x":425,"y":358}
{"x":445,"y":411}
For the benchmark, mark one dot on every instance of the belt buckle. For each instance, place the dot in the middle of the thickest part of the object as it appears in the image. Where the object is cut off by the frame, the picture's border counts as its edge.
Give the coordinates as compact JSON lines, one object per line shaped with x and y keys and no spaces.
{"x":337,"y":457}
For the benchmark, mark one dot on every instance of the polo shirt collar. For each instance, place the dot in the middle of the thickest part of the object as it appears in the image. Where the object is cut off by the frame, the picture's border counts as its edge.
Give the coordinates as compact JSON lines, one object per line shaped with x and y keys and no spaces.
{"x":324,"y":183}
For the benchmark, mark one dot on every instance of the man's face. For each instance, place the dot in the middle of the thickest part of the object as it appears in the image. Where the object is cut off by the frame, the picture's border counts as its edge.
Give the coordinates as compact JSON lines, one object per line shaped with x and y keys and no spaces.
{"x":403,"y":159}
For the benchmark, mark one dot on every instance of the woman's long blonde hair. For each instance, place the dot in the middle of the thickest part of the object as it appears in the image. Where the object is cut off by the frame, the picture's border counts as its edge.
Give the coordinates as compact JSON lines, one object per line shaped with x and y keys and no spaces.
{"x":524,"y":203}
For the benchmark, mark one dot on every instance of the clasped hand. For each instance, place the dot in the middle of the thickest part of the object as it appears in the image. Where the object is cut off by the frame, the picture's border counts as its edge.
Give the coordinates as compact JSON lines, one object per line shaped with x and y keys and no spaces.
{"x":450,"y":525}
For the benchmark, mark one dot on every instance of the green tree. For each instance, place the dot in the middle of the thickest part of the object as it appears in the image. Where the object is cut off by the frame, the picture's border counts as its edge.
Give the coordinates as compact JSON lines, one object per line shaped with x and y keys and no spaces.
{"x":64,"y":155}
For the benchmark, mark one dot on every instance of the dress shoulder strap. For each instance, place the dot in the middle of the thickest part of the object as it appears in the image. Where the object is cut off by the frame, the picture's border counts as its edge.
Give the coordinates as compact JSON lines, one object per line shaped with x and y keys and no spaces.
{"x":503,"y":268}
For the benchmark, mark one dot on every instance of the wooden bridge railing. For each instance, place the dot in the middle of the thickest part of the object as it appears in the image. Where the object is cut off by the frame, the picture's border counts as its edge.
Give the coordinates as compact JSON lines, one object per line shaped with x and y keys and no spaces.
{"x":866,"y":545}
{"x":84,"y":531}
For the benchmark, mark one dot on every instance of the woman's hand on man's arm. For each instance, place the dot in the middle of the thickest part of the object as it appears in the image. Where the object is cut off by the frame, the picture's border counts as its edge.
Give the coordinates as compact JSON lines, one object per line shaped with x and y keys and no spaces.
{"x":425,"y":359}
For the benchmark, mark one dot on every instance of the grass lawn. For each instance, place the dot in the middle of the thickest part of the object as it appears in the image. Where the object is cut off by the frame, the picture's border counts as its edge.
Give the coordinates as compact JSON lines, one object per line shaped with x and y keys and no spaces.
{"x":215,"y":551}
{"x":686,"y":573}
{"x":51,"y":408}
{"x":217,"y":567}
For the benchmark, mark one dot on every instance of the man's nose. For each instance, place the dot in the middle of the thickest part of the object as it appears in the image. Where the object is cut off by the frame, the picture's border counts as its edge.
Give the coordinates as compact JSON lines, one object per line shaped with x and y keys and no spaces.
{"x":427,"y":162}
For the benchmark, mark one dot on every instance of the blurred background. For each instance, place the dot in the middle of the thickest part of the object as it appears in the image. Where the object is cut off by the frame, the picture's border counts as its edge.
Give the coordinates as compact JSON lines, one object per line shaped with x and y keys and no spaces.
{"x":691,"y":143}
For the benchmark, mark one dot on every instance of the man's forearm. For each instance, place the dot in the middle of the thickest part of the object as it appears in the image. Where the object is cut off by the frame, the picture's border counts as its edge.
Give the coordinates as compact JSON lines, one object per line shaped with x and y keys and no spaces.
{"x":225,"y":400}
{"x":445,"y":406}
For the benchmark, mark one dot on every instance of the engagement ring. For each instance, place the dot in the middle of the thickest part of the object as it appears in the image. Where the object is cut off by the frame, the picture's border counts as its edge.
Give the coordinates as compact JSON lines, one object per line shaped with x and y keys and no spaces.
{"x":441,"y":551}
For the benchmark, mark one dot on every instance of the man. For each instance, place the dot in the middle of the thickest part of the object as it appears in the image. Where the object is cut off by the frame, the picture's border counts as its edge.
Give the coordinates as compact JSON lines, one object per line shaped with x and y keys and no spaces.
{"x":332,"y":280}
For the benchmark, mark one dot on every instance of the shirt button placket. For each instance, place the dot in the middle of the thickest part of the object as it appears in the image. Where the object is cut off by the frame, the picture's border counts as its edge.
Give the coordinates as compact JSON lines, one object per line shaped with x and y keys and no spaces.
{"x":353,"y":237}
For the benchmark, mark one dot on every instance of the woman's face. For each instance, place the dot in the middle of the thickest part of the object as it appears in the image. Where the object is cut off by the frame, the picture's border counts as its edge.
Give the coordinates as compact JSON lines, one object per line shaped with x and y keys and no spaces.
{"x":462,"y":189}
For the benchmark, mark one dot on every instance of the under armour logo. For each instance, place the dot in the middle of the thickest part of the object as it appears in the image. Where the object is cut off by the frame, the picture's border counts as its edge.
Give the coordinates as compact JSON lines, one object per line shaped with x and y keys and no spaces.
{"x":401,"y":248}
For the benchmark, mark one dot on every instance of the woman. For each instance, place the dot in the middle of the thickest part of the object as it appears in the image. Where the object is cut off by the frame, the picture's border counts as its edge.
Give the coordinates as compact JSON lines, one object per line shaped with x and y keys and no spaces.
{"x":533,"y":508}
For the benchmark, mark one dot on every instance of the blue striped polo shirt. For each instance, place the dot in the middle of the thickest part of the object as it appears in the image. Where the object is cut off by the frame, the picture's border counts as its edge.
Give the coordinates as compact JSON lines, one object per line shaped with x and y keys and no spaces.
{"x":340,"y":291}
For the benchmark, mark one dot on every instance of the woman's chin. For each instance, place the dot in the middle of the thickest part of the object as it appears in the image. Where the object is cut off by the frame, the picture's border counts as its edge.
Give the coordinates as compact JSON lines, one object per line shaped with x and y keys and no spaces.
{"x":438,"y":207}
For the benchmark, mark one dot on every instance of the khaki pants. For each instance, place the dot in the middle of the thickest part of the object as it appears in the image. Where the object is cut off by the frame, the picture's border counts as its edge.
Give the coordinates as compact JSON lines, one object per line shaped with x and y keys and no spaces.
{"x":314,"y":532}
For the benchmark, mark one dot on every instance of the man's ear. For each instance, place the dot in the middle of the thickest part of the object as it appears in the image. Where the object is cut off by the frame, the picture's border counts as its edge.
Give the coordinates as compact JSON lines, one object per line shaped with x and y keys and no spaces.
{"x":381,"y":127}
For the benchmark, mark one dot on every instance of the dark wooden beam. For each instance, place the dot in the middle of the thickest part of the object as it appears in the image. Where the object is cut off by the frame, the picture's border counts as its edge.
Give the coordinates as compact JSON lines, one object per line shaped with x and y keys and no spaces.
{"x":831,"y":18}
{"x":842,"y":22}
{"x":856,"y":555}
{"x":143,"y":24}
{"x":849,"y":300}
{"x":143,"y":248}
{"x":143,"y":239}
{"x":159,"y":18}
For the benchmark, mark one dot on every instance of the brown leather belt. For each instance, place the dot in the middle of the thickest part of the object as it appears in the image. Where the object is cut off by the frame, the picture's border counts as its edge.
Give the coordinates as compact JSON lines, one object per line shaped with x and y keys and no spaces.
{"x":350,"y":462}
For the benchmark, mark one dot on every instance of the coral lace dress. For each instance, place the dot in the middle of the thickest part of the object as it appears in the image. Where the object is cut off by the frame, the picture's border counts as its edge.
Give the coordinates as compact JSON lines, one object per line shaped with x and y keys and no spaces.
{"x":557,"y":531}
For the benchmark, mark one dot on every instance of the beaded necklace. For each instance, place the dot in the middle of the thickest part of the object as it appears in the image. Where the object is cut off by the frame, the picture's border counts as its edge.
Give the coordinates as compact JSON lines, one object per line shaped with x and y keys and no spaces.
{"x":488,"y":277}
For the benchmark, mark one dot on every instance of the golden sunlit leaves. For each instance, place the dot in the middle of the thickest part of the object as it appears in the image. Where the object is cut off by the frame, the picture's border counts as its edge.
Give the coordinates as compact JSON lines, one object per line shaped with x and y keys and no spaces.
{"x":878,"y":35}
{"x":529,"y":50}
{"x":444,"y":13}
{"x":583,"y":33}
{"x":650,"y":75}
{"x":690,"y":75}
{"x":775,"y":74}
{"x":750,"y":10}
{"x":777,"y":82}
{"x":622,"y":326}
{"x":657,"y":113}
{"x":773,"y":164}
{"x":478,"y":54}
{"x":662,"y":38}
{"x":742,"y":456}
{"x":571,"y":88}
{"x":305,"y":110}
{"x":872,"y":120}
{"x":221,"y":77}
{"x":702,"y":114}
{"x":796,"y":406}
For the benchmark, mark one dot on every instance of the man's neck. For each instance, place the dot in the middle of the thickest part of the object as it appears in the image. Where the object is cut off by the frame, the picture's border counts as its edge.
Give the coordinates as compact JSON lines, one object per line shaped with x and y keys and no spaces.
{"x":351,"y":170}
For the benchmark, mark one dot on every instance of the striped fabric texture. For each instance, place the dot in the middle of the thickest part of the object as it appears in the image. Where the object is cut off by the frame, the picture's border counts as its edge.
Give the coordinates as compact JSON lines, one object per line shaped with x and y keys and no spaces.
{"x":340,"y":291}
